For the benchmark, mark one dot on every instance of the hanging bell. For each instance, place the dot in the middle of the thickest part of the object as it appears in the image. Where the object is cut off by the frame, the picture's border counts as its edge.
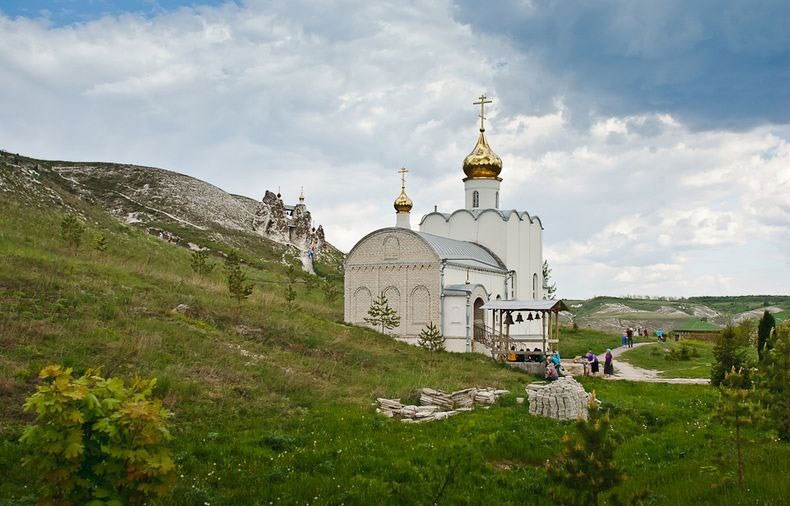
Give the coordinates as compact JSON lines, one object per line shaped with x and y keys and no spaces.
{"x":537,"y":316}
{"x":529,"y":317}
{"x":519,"y":318}
{"x":509,"y":319}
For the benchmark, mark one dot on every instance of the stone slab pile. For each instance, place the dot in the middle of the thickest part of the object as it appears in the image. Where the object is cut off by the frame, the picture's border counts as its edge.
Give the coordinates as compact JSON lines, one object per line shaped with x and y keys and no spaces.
{"x":438,"y":405}
{"x":563,"y":399}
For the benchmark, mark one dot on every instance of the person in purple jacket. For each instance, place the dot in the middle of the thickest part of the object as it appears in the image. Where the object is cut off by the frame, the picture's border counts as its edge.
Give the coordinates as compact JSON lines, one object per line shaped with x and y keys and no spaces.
{"x":608,"y":368}
{"x":592,"y":358}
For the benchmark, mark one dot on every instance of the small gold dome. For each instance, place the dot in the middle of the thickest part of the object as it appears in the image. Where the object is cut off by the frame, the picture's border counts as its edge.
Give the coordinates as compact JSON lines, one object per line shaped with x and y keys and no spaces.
{"x":482,"y":162}
{"x":403,"y":203}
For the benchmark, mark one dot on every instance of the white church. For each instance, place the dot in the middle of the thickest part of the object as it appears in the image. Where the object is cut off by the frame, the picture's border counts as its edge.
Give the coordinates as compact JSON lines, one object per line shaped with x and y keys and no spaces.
{"x":455,"y":264}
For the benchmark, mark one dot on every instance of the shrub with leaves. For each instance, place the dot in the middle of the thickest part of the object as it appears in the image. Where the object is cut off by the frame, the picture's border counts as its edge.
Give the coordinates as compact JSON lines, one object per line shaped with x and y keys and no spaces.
{"x":199,"y":262}
{"x":430,"y":338}
{"x":71,"y":230}
{"x":585,"y":468}
{"x":100,"y":242}
{"x":238,"y":287}
{"x":96,"y":441}
{"x":381,"y":315}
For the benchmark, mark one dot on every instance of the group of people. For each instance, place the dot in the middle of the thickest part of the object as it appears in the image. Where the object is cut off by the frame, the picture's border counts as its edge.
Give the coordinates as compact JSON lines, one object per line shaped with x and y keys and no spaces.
{"x":592,"y":360}
{"x":628,"y":335}
{"x":553,"y":365}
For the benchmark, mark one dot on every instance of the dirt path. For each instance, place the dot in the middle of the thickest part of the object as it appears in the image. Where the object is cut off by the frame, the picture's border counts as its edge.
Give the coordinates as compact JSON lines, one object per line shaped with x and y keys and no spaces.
{"x":626,"y":371}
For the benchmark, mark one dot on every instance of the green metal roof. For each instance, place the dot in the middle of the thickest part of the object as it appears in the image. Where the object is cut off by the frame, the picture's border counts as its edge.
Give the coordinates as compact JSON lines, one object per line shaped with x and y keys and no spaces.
{"x":695,"y":325}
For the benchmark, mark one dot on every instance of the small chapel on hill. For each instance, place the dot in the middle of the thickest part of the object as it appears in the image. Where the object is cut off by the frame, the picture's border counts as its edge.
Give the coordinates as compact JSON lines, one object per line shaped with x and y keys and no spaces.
{"x":456,"y":262}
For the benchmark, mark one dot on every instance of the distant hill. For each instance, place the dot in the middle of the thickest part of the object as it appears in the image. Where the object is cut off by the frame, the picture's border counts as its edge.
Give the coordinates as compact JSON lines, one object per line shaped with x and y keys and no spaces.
{"x":615,"y":313}
{"x":176,"y":207}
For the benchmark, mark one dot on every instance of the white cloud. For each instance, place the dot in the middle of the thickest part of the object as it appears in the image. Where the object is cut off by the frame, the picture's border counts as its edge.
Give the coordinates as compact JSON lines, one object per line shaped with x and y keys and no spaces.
{"x":263,"y":95}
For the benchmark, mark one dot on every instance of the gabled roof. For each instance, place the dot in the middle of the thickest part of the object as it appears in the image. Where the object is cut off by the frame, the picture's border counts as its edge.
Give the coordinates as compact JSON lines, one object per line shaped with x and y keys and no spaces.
{"x":450,"y":251}
{"x":526,"y":305}
{"x":696,"y":325}
{"x":463,"y":253}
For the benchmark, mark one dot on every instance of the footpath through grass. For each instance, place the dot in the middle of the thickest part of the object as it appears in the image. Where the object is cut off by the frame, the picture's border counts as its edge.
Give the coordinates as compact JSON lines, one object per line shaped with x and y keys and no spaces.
{"x":276,"y":406}
{"x":684,"y":359}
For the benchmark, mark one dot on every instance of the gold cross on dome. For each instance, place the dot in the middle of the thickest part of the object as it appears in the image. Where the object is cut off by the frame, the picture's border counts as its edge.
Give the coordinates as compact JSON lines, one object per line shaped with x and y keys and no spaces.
{"x":402,"y":173}
{"x":482,"y":105}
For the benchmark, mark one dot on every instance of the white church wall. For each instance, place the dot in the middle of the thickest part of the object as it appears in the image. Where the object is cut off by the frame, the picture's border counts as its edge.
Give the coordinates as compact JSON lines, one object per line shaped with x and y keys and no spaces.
{"x":454,"y":324}
{"x":435,"y":224}
{"x":494,"y":282}
{"x":463,"y":227}
{"x":400,"y":264}
{"x":492,"y":233}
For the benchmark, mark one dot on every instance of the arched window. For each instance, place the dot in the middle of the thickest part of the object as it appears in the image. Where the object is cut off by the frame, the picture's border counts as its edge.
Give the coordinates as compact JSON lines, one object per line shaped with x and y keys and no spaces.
{"x":362,"y":301}
{"x":420,"y":305}
{"x":392,"y":295}
{"x":475,"y":199}
{"x":391,"y":248}
{"x":535,"y":286}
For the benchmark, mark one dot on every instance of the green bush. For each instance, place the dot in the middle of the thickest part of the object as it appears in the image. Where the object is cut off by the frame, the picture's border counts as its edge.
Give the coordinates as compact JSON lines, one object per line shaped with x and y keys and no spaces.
{"x":96,"y":441}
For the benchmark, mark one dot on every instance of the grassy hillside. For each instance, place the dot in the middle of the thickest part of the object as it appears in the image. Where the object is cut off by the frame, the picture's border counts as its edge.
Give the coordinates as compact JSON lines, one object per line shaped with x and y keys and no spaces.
{"x":273,"y":406}
{"x":612,"y":314}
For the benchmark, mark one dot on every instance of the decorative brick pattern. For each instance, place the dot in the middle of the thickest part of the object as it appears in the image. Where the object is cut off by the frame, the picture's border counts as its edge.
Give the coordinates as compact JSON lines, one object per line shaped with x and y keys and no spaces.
{"x":398,"y":261}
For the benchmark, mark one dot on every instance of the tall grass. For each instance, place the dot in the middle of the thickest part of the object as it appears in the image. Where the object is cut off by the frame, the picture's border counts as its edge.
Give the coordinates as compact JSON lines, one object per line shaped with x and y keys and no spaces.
{"x":277,"y":405}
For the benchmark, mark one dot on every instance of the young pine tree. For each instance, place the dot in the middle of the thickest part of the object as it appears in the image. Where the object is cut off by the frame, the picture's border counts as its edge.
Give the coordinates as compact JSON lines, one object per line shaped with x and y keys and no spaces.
{"x":381,"y":315}
{"x":773,"y":381}
{"x":238,"y":287}
{"x":290,"y":296}
{"x":199,"y":262}
{"x":551,"y":289}
{"x":729,"y":353}
{"x":71,"y":230}
{"x":431,"y":339}
{"x":737,"y":407}
{"x":764,"y":329}
{"x":585,"y":468}
{"x":330,"y":291}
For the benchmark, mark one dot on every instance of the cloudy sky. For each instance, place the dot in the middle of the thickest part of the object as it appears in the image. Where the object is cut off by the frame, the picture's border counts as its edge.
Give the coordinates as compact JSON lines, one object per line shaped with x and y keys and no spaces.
{"x":652,"y":138}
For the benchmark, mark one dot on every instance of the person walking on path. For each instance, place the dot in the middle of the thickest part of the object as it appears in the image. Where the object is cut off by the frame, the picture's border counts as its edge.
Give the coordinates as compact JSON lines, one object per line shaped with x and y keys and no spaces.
{"x":630,"y":334}
{"x":608,"y":368}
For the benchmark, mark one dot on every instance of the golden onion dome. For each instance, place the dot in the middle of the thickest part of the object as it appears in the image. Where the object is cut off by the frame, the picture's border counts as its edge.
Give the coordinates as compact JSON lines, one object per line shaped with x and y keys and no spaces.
{"x":482,"y":162}
{"x":403,"y":203}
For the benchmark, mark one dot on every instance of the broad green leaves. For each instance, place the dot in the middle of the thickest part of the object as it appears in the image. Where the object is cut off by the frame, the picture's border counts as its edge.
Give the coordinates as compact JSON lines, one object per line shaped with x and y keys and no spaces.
{"x":97,"y":441}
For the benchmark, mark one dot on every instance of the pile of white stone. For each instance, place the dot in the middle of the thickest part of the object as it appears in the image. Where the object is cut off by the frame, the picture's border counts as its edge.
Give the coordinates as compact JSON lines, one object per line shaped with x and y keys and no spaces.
{"x":563,"y":399}
{"x":438,"y":405}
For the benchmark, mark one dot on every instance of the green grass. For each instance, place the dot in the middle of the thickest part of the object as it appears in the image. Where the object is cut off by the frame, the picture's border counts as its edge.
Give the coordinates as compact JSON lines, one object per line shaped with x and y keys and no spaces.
{"x":665,"y":357}
{"x":276,"y":406}
{"x":574,"y":343}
